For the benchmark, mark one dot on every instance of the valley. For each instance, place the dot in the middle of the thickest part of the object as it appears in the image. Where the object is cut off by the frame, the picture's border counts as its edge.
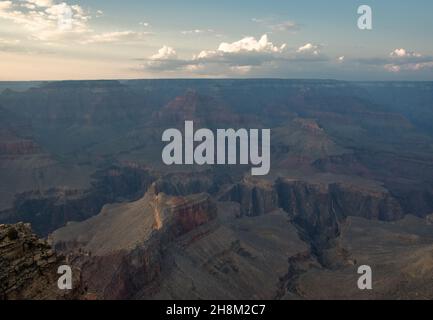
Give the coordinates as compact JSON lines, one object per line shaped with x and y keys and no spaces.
{"x":350,"y":183}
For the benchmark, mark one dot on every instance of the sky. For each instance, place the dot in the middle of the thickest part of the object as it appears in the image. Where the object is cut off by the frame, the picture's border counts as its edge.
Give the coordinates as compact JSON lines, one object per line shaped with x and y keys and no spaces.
{"x":133,"y":39}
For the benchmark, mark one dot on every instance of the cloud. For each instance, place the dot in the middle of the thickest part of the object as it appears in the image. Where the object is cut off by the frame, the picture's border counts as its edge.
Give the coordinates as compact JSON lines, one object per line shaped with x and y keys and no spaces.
{"x":241,"y":69}
{"x":41,"y":3}
{"x":9,"y":41}
{"x":242,"y":57}
{"x":285,"y":26}
{"x":9,"y":45}
{"x":5,"y":5}
{"x":309,"y":48}
{"x":405,"y":60}
{"x":277,"y":26}
{"x":56,"y":23}
{"x":258,"y":20}
{"x":165,"y":53}
{"x":403,"y":53}
{"x":44,"y":20}
{"x":144,"y":24}
{"x":399,"y":60}
{"x":165,"y":59}
{"x":116,"y":36}
{"x":392,"y":68}
{"x":197,"y":31}
{"x":249,"y":44}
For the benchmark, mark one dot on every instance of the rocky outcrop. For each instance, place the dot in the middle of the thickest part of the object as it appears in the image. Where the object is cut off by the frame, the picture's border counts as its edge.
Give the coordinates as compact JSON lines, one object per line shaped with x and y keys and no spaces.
{"x":190,"y":213}
{"x":131,"y":237}
{"x":256,"y":197}
{"x":370,"y":204}
{"x":28,"y":267}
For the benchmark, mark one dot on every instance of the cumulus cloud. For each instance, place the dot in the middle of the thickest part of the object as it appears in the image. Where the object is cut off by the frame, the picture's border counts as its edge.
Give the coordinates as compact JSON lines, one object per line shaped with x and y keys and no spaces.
{"x":309,"y":48}
{"x":399,"y":60}
{"x":406,"y":60}
{"x":241,"y":57}
{"x":165,"y":59}
{"x":165,"y":53}
{"x":250,"y":44}
{"x":403,"y":53}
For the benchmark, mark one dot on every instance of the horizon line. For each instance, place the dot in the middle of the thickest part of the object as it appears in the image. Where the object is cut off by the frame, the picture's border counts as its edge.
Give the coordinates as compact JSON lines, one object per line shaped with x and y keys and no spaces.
{"x":210,"y":79}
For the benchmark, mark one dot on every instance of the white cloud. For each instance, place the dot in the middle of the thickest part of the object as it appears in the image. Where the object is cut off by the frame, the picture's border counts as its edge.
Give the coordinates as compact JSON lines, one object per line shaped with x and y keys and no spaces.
{"x":165,"y":53}
{"x":41,"y":3}
{"x":341,"y":59}
{"x":249,"y":44}
{"x":258,"y":20}
{"x":392,"y":68}
{"x":116,"y":36}
{"x":309,"y":48}
{"x":405,"y":60}
{"x":144,"y":24}
{"x":197,"y":31}
{"x":277,"y":26}
{"x":403,"y":53}
{"x":57,"y":23}
{"x":241,"y":69}
{"x":45,"y":20}
{"x":243,"y":57}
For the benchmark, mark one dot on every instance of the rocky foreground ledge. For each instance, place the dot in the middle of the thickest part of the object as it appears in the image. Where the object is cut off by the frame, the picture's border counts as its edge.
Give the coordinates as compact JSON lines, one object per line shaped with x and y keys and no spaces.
{"x":28,"y":266}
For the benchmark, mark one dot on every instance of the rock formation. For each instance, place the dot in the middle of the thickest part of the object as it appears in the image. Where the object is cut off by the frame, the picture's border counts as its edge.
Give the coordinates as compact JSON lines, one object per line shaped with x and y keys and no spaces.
{"x":28,"y":267}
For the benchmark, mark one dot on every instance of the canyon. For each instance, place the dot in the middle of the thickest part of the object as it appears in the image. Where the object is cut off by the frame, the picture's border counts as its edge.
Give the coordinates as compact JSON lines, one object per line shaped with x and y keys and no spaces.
{"x":83,"y":183}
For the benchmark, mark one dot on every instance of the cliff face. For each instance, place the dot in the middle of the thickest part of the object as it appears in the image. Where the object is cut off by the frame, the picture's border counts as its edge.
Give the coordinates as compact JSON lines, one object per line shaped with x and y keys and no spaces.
{"x":132,"y":237}
{"x":191,"y":213}
{"x":313,"y":210}
{"x":357,"y":202}
{"x":318,"y":210}
{"x":28,"y":267}
{"x":182,"y":184}
{"x":53,"y":208}
{"x":255,"y":197}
